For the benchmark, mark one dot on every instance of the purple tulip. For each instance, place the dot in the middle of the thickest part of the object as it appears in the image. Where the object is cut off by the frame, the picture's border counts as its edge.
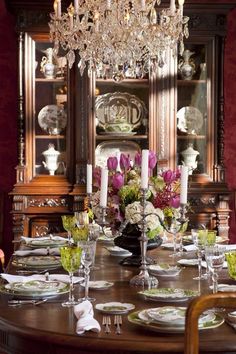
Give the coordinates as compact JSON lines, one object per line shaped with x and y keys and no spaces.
{"x":175,"y":201}
{"x":152,"y":160}
{"x":112,"y":163}
{"x":169,"y":176}
{"x":138,"y":159}
{"x":124,"y":162}
{"x":118,"y":180}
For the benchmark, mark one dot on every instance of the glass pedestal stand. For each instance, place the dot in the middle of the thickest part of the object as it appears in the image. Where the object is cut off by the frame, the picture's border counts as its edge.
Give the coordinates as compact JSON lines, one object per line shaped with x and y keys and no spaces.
{"x":143,"y":278}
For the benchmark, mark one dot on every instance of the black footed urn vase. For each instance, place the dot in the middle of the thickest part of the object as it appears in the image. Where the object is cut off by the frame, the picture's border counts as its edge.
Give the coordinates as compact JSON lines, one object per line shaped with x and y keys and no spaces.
{"x":129,"y":240}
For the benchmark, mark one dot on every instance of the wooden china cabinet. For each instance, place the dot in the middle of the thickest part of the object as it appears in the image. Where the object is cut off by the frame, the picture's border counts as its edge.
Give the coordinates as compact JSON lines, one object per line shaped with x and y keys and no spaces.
{"x":89,"y":118}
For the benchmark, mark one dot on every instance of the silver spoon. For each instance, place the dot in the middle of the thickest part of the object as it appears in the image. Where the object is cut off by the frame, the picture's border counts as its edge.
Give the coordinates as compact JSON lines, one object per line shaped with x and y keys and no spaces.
{"x":16,"y":303}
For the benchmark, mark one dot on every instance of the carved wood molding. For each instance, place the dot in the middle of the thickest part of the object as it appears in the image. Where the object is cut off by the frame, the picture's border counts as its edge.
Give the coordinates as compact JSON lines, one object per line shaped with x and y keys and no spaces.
{"x":51,"y":202}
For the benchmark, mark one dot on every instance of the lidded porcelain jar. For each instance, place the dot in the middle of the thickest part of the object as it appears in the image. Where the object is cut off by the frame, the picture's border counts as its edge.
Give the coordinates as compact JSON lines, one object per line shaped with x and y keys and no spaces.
{"x":189,"y":158}
{"x":51,"y":156}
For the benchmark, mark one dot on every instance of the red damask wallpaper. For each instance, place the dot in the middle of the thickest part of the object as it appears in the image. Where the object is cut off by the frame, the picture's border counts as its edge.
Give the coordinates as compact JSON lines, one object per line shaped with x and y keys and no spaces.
{"x":8,"y":115}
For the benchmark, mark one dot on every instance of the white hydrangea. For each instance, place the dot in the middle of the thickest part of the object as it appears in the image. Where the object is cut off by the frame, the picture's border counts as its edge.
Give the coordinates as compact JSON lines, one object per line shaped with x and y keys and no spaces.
{"x":133,"y":214}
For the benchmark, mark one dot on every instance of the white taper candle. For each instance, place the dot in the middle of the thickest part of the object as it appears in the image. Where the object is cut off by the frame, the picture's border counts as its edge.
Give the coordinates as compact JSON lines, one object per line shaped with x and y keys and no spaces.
{"x":144,"y":169}
{"x":104,"y":185}
{"x":184,"y":185}
{"x":89,"y":179}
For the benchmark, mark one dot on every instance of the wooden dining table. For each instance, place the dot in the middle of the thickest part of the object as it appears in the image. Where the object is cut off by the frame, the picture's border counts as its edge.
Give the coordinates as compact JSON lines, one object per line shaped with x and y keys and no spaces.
{"x":50,"y":328}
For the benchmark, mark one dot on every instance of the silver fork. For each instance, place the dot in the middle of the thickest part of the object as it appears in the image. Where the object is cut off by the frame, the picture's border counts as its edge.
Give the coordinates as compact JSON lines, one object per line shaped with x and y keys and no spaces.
{"x":118,"y":323}
{"x":106,"y":321}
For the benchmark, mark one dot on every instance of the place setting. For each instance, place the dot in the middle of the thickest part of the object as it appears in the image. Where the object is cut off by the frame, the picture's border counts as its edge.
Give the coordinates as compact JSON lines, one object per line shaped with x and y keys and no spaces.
{"x":168,"y":294}
{"x":171,"y":319}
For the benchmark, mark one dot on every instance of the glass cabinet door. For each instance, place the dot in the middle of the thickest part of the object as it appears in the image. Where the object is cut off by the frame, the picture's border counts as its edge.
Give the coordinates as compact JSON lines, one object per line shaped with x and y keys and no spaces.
{"x":47,"y":109}
{"x":121,"y":114}
{"x":195,"y":116}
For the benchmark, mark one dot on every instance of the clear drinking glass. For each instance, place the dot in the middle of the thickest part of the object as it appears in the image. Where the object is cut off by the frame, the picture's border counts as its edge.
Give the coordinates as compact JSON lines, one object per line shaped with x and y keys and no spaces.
{"x":70,"y":260}
{"x":174,"y":229}
{"x":68,"y":222}
{"x":199,"y":238}
{"x":87,"y":257}
{"x":215,"y":257}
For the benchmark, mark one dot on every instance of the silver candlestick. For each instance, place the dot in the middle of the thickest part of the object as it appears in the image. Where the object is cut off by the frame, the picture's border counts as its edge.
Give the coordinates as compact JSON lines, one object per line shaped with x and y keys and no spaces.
{"x":143,"y":278}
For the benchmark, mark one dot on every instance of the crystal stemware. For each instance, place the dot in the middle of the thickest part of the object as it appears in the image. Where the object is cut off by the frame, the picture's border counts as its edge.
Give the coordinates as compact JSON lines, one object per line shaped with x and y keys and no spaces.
{"x":68,"y":222}
{"x":199,"y":238}
{"x":215,"y":257}
{"x":70,"y":260}
{"x":87,"y":257}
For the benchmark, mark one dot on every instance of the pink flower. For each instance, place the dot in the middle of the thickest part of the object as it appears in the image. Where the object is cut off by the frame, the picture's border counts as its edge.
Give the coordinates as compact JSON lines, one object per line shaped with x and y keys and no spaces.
{"x":138,"y":159}
{"x":175,"y":201}
{"x":152,"y":160}
{"x":2,"y":257}
{"x":112,"y":163}
{"x":124,"y":162}
{"x":118,"y":181}
{"x":169,"y":176}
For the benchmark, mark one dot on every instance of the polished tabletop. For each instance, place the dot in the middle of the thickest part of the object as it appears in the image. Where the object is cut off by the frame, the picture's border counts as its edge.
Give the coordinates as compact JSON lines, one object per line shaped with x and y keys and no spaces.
{"x":50,"y":328}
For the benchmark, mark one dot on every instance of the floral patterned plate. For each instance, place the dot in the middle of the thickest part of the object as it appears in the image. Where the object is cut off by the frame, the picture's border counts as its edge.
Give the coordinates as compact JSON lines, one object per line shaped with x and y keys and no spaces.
{"x":114,"y":308}
{"x":164,"y":270}
{"x":168,"y":294}
{"x":35,"y":288}
{"x":37,"y":262}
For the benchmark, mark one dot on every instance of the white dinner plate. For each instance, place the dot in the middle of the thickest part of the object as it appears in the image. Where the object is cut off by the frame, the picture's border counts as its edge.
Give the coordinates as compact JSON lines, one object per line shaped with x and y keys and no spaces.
{"x":164,"y":270}
{"x":115,"y":308}
{"x":168,"y":294}
{"x":99,"y":285}
{"x":37,"y":262}
{"x":118,"y":251}
{"x":188,"y":262}
{"x":35,"y":288}
{"x":158,"y":327}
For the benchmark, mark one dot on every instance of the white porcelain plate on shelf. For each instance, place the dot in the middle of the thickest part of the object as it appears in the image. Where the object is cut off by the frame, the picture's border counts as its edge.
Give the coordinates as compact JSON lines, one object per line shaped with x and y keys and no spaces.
{"x":189,"y":120}
{"x":52,"y":119}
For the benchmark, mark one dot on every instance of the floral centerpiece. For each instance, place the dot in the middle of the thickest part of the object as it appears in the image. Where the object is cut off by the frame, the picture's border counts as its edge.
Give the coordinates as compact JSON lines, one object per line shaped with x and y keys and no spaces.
{"x":124,"y":194}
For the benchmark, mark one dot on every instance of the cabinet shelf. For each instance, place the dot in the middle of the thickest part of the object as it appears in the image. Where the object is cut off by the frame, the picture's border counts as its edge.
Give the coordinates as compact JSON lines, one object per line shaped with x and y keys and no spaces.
{"x":53,"y":137}
{"x":190,"y":82}
{"x":192,"y":137}
{"x":125,"y":82}
{"x":42,"y":79}
{"x":120,"y":137}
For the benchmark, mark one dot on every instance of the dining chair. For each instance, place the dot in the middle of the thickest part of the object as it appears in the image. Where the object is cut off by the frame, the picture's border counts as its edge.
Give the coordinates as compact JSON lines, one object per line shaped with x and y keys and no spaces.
{"x":195,"y":308}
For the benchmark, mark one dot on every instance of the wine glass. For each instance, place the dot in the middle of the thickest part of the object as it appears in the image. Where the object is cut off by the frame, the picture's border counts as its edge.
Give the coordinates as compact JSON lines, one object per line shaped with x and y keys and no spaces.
{"x":94,"y":233}
{"x":70,"y":260}
{"x":199,"y":238}
{"x":68,"y":222}
{"x":215,"y":257}
{"x":87,"y":257}
{"x":80,"y":233}
{"x":174,"y":229}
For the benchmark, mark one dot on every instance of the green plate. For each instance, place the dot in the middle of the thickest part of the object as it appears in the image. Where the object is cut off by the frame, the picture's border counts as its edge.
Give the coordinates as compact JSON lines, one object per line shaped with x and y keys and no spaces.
{"x":157,"y":327}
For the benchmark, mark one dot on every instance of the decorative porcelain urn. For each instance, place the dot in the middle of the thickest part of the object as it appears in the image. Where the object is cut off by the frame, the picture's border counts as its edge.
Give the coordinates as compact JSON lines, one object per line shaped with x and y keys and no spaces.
{"x":186,"y":66}
{"x":51,"y":156}
{"x":47,"y":66}
{"x":189,"y":156}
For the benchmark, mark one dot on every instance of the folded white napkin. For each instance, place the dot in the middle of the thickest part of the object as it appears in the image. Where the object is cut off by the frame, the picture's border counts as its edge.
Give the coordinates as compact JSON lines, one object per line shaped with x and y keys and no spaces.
{"x":190,"y":248}
{"x":50,"y":237}
{"x":38,"y":252}
{"x":10,"y":278}
{"x":86,"y":321}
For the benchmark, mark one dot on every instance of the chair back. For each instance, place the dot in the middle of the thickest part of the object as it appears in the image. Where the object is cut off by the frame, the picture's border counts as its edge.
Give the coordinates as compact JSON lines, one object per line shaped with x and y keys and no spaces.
{"x":197,"y":306}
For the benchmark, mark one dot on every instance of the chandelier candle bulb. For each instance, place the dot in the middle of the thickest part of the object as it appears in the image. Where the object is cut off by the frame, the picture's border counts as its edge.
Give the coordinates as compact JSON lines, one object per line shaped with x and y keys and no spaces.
{"x":76,"y":6}
{"x":104,"y":185}
{"x":89,"y":178}
{"x":172,"y":7}
{"x":144,"y":169}
{"x":58,"y":8}
{"x":184,"y":185}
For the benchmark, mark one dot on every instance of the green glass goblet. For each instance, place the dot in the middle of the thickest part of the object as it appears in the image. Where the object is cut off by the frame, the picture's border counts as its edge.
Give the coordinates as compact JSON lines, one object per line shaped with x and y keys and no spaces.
{"x":68,"y":222}
{"x":70,"y":260}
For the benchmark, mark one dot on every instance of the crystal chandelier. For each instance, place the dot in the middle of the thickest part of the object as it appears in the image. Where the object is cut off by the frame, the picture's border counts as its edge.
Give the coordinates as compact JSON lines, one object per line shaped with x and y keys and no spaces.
{"x":118,"y":34}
